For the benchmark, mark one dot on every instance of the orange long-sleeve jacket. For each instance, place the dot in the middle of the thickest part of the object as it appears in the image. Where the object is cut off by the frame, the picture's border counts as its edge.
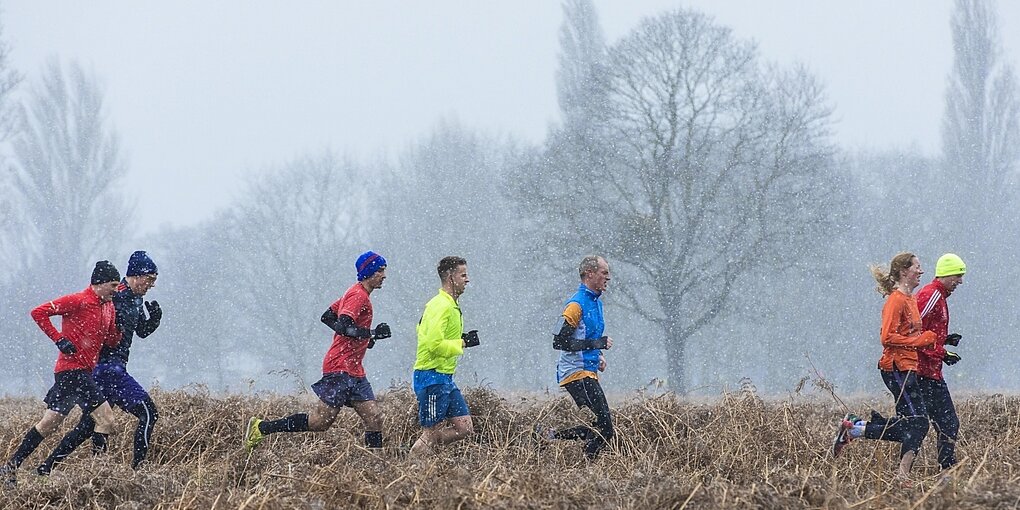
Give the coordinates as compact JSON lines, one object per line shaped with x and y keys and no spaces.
{"x":902,"y":334}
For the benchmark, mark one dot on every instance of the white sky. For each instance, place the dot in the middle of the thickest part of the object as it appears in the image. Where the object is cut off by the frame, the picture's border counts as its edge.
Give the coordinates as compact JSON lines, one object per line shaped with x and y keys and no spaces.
{"x":202,"y":93}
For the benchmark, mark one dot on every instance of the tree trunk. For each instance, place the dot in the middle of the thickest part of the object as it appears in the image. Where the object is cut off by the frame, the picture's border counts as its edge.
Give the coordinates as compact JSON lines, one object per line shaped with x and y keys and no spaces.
{"x":676,"y":360}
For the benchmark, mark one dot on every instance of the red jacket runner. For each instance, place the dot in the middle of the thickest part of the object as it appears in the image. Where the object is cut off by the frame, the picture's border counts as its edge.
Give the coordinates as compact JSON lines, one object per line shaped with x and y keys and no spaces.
{"x":88,"y":323}
{"x":931,"y":301}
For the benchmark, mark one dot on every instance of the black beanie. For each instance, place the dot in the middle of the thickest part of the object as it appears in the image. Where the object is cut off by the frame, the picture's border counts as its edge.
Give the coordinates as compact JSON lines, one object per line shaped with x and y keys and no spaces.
{"x":104,"y":272}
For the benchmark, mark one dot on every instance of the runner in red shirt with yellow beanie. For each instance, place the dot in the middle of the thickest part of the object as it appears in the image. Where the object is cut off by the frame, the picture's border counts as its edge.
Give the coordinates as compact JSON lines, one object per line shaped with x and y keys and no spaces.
{"x":931,"y":300}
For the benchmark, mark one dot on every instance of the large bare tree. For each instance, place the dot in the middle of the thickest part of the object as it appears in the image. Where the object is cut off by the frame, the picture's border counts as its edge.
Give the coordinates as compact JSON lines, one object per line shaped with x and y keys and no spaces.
{"x":977,"y":191}
{"x":707,"y":166}
{"x":66,"y":179}
{"x":66,"y":206}
{"x":981,"y":127}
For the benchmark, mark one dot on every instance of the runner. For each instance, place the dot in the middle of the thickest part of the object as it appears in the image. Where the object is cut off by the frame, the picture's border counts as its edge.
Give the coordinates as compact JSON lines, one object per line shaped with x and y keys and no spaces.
{"x":343,"y":380}
{"x":581,"y":341}
{"x":901,"y":337}
{"x":442,"y":411}
{"x":111,"y":375}
{"x":931,"y":300}
{"x":88,"y":323}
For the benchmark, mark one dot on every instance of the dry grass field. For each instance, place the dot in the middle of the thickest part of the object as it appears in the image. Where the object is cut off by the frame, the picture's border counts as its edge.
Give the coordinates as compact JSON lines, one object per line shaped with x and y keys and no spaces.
{"x":736,"y":451}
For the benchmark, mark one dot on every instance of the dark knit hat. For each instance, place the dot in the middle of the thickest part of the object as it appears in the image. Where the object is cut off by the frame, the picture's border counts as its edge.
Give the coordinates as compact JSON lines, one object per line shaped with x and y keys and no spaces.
{"x":140,"y":264}
{"x":105,"y":272}
{"x":368,"y":263}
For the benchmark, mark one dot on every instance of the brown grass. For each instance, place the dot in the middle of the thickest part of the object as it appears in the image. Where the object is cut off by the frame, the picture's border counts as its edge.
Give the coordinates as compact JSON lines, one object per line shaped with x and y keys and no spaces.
{"x":737,"y":451}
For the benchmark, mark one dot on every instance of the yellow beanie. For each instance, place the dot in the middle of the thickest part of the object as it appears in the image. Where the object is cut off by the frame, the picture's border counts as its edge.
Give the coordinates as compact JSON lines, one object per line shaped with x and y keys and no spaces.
{"x":950,"y":264}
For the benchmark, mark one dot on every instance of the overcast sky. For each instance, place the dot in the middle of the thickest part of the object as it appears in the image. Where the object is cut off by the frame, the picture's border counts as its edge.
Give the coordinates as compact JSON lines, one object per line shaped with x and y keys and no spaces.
{"x":203,"y":93}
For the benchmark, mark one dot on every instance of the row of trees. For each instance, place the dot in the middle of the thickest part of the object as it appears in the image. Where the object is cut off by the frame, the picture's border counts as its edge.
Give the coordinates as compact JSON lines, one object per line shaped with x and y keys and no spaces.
{"x":737,"y":231}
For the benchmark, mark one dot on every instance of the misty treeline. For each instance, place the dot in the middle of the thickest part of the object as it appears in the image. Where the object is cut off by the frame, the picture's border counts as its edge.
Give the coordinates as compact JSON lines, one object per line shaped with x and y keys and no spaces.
{"x":738,"y":230}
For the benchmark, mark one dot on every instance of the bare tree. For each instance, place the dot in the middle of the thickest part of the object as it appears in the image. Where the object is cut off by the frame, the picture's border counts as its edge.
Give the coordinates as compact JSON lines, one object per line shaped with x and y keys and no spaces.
{"x":581,"y":73}
{"x":67,"y":210}
{"x":290,"y":243}
{"x":709,"y":166}
{"x":981,"y":128}
{"x":9,"y":124}
{"x":976,"y":193}
{"x":446,"y":199}
{"x":65,"y":180}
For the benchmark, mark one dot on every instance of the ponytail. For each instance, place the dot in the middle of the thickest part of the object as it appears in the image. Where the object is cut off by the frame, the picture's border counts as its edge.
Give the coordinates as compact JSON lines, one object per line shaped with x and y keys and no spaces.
{"x":886,"y":280}
{"x":883,"y":279}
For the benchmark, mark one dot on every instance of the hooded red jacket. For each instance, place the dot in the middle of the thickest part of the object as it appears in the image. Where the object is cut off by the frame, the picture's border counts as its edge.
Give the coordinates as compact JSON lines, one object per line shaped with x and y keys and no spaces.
{"x":931,"y":301}
{"x":87,"y":322}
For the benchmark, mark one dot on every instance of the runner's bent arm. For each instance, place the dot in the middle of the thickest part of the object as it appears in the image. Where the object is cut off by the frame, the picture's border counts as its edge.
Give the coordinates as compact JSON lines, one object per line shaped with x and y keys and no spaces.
{"x":343,"y":325}
{"x":60,"y":306}
{"x":146,"y":326}
{"x":444,"y":347}
{"x":565,"y":341}
{"x":891,"y":317}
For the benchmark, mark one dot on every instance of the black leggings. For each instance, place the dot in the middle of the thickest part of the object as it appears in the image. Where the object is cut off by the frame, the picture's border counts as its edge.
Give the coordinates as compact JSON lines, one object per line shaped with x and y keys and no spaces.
{"x":910,"y":424}
{"x":942,"y":414}
{"x":588,"y":393}
{"x":147,"y":416}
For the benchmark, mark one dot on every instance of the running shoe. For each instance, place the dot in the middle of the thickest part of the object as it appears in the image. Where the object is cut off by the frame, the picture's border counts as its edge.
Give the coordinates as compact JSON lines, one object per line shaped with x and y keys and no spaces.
{"x":542,"y":435}
{"x":252,"y":435}
{"x":843,"y":436}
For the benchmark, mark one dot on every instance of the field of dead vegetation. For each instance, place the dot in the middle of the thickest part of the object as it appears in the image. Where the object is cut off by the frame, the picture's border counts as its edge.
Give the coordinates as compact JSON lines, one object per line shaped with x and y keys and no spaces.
{"x":737,"y":450}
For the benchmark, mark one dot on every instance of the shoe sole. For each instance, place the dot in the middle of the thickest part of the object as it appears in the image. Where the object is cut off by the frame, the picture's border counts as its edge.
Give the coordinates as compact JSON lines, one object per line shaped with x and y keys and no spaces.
{"x":837,"y":443}
{"x":245,"y":442}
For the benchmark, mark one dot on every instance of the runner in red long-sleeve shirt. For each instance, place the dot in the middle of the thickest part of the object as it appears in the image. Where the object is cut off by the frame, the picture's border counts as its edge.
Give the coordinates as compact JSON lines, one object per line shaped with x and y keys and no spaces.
{"x":931,"y":301}
{"x":88,"y":323}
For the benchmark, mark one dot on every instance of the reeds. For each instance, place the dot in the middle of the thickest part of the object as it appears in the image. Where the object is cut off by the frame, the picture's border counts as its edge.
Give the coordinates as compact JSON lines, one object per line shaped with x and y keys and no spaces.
{"x":737,"y":451}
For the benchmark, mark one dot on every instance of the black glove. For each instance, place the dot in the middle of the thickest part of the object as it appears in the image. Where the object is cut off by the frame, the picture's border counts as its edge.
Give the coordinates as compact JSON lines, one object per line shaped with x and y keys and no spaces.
{"x":951,"y":358}
{"x":382,"y":331}
{"x":953,"y":339}
{"x":470,"y":338}
{"x":155,"y":312}
{"x":66,"y":346}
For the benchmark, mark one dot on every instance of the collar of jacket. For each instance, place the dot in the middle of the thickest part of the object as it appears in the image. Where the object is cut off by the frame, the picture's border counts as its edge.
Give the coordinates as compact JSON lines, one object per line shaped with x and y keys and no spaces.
{"x":591,"y":293}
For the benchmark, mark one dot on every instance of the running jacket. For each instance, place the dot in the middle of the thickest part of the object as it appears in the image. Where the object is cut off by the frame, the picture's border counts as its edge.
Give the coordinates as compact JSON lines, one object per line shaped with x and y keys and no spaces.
{"x":130,"y":320}
{"x":346,"y":354}
{"x":591,"y":326}
{"x":931,"y":300}
{"x":901,"y":333}
{"x":88,"y":323}
{"x":440,"y":332}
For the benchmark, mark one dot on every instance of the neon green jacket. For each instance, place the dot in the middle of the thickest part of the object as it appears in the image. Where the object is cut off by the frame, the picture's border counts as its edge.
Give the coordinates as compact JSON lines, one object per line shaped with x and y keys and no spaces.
{"x":439,"y":335}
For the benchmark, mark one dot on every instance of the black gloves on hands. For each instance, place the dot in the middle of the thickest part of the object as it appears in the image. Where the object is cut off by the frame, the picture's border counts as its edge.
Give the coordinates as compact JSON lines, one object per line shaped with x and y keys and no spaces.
{"x":600,"y":343}
{"x":155,"y":312}
{"x":381,"y":331}
{"x":951,"y":358}
{"x":953,"y":339}
{"x":470,"y":338}
{"x":66,"y":346}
